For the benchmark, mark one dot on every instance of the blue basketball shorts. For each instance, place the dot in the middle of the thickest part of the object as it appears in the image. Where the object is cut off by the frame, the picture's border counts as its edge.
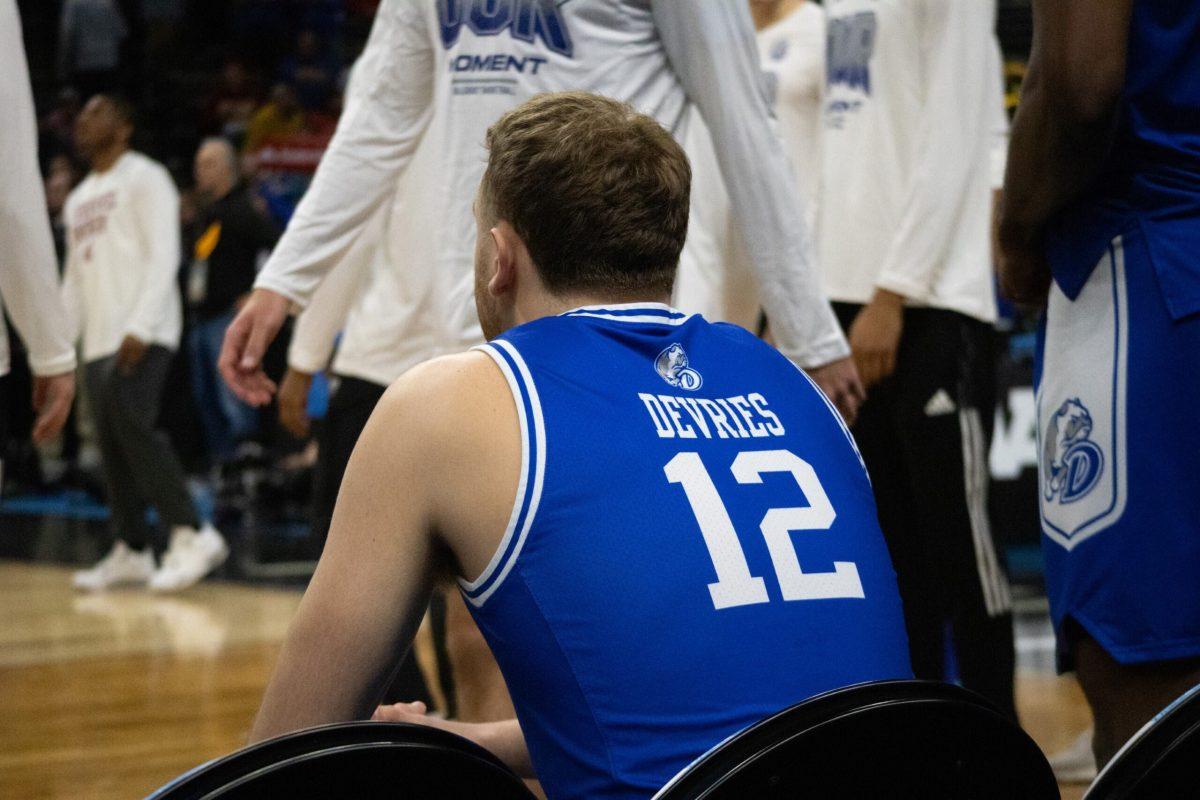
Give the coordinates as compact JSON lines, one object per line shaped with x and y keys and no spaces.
{"x":1118,"y":400}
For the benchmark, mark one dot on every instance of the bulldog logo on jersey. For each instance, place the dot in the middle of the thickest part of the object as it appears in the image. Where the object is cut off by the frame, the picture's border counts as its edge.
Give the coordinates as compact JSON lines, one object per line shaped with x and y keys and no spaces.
{"x":672,"y":365}
{"x":1072,"y":463}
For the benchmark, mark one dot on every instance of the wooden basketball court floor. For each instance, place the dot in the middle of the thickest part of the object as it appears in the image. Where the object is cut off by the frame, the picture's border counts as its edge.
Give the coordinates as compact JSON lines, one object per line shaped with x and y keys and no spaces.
{"x":111,"y":695}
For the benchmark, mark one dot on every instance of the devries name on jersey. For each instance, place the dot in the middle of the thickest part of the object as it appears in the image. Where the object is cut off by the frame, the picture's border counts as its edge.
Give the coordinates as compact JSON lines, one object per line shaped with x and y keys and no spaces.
{"x":738,"y":417}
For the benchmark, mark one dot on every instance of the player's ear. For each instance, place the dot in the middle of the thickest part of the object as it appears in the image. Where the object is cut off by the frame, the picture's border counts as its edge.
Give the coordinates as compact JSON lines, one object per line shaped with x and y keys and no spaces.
{"x":505,"y":250}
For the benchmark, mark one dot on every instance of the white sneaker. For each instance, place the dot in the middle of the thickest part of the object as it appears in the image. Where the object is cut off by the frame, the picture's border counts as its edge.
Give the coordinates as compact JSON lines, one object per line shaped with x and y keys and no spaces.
{"x":191,"y":555}
{"x":122,"y":565}
{"x":1076,"y":763}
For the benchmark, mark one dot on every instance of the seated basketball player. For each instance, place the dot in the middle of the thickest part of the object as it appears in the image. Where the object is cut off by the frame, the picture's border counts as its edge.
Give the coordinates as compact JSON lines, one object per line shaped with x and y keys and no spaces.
{"x":660,"y":525}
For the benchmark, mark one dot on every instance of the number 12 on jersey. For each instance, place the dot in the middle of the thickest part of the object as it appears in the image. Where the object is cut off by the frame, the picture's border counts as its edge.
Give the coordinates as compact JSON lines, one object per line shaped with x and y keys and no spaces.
{"x":735,"y":585}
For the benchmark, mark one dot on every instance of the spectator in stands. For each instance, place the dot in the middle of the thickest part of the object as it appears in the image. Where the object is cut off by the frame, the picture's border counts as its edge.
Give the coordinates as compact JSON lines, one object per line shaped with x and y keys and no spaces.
{"x":310,"y":70}
{"x":232,"y":103}
{"x":281,"y":116}
{"x":56,"y":129}
{"x":231,"y":237}
{"x":120,"y":290}
{"x":89,"y":48}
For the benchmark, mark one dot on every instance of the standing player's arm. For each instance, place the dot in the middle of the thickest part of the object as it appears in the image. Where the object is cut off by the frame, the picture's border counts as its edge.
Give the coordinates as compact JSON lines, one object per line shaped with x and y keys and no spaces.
{"x":1063,"y":129}
{"x":28,"y":277}
{"x":712,"y":49}
{"x":955,"y":40}
{"x":366,"y":599}
{"x":318,"y":325}
{"x":998,"y":150}
{"x":388,"y":107}
{"x":960,"y":73}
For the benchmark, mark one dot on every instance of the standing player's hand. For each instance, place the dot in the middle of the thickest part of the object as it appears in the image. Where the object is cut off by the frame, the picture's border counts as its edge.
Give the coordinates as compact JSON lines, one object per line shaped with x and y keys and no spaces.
{"x":875,"y":336}
{"x":1024,"y":273}
{"x":840,"y":383}
{"x":52,"y":397}
{"x":293,"y":402}
{"x":246,"y":342}
{"x":130,"y":354}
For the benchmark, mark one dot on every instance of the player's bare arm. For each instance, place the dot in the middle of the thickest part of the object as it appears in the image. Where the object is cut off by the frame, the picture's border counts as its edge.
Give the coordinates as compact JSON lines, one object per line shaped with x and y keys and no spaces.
{"x":427,"y":494}
{"x":1063,"y":129}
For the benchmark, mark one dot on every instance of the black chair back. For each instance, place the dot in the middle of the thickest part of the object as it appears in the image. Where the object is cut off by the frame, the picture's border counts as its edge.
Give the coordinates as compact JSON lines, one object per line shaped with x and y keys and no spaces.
{"x":893,"y":739}
{"x":357,"y":759}
{"x":1162,"y":760}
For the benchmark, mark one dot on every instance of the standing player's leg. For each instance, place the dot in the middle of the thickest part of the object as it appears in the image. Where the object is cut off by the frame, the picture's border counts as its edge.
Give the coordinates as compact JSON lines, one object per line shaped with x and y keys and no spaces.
{"x":943,"y":408}
{"x":878,"y":438}
{"x":350,"y":407}
{"x":1125,"y":697}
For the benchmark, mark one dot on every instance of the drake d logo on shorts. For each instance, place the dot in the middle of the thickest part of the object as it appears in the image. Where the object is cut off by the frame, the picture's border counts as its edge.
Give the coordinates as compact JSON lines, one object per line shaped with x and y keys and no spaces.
{"x":672,"y":365}
{"x":1072,"y":463}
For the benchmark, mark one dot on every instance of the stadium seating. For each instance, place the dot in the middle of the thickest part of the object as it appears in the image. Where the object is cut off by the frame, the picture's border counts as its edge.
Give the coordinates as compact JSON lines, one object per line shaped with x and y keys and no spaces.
{"x":362,"y":760}
{"x":1162,"y":760}
{"x":896,"y":739}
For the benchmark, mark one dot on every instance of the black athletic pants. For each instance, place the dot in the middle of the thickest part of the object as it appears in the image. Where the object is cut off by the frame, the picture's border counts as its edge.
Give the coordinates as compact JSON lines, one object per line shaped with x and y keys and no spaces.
{"x":4,"y":412}
{"x":140,"y":465}
{"x":350,"y":407}
{"x":924,"y":433}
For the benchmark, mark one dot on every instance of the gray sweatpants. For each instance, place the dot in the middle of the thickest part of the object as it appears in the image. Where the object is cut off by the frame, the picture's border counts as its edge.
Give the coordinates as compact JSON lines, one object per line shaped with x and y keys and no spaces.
{"x":140,"y":465}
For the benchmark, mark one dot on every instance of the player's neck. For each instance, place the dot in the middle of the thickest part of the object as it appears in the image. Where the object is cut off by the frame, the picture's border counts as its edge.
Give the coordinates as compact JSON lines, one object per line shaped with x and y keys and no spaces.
{"x":767,"y":14}
{"x":104,"y":160}
{"x":548,"y":305}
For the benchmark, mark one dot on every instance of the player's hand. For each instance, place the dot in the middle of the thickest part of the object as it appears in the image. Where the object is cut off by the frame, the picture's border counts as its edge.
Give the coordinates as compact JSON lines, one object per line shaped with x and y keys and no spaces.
{"x":130,"y":354}
{"x":52,"y":397}
{"x":875,"y":336}
{"x":1024,"y":271}
{"x":293,"y":402}
{"x":839,"y":381}
{"x":246,"y":342}
{"x":414,"y":712}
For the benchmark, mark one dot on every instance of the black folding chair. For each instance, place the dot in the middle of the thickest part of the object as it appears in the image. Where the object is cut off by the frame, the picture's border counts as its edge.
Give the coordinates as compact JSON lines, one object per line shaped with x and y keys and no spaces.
{"x":357,"y":759}
{"x":891,"y":739}
{"x":1161,"y":761}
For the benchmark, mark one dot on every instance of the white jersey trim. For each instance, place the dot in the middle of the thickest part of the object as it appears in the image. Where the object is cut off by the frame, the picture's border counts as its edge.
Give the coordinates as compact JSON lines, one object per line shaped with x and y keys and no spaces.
{"x":533,"y":442}
{"x":652,"y":313}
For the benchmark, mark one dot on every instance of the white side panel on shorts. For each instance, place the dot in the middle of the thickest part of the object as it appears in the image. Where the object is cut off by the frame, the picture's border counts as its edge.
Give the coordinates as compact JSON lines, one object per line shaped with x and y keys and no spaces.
{"x":1081,"y":406}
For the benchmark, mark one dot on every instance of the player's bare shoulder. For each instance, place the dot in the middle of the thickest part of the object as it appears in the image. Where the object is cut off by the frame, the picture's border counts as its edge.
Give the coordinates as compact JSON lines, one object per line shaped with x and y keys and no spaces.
{"x":448,"y":396}
{"x":455,"y":415}
{"x":456,"y":433}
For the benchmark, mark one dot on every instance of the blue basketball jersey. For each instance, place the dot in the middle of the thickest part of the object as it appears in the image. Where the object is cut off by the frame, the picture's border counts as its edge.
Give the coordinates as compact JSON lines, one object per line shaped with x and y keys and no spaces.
{"x":693,"y":547}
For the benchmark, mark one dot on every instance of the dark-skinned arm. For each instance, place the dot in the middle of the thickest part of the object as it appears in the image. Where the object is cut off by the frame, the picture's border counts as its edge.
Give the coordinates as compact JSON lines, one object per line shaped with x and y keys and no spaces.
{"x":1063,"y":130}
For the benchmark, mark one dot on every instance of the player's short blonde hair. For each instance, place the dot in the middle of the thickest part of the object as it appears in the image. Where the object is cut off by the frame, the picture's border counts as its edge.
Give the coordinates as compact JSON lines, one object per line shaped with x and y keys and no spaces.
{"x":598,"y":192}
